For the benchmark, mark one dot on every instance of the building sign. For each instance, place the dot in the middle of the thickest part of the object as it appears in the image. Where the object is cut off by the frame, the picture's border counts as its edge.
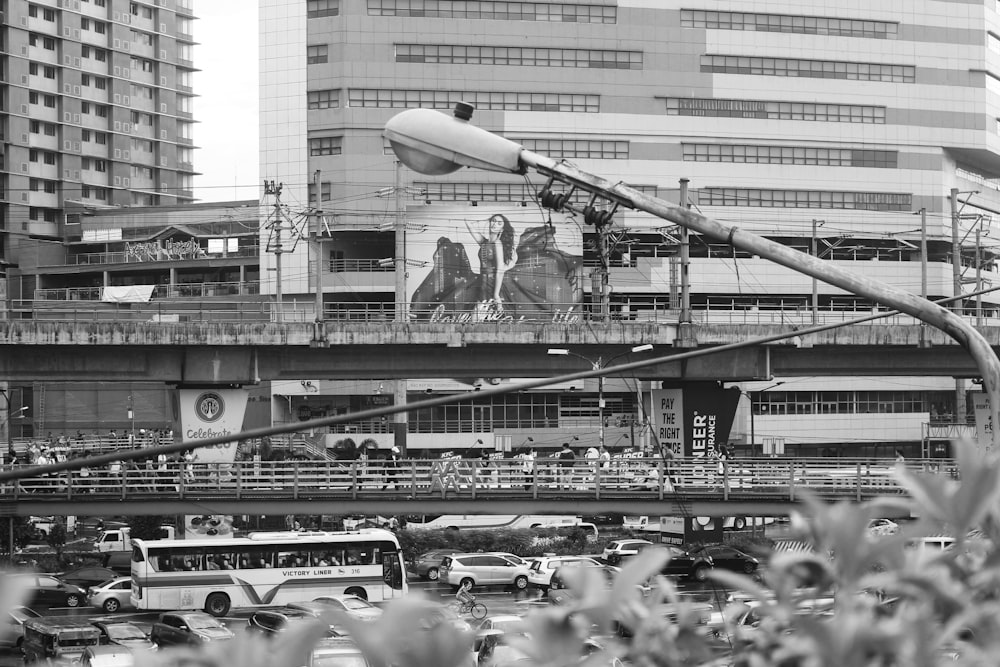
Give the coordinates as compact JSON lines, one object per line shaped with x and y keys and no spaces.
{"x":695,"y":419}
{"x":210,"y":413}
{"x":158,"y":251}
{"x":984,"y":420}
{"x":493,"y":263}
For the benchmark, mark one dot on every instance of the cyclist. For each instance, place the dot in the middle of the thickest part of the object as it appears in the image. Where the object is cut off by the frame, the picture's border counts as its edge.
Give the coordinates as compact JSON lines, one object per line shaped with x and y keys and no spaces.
{"x":464,"y":596}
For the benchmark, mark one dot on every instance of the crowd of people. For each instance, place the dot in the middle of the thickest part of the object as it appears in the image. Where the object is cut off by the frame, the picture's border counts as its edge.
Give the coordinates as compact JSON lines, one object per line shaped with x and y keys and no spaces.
{"x":58,"y":448}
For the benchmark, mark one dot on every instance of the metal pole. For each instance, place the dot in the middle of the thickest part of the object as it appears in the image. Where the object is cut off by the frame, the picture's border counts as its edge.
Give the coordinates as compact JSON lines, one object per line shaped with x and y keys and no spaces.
{"x":923,"y":253}
{"x":318,"y":251}
{"x":815,"y":285}
{"x":911,"y":304}
{"x":685,"y":260}
{"x":753,"y":430}
{"x":278,"y":306}
{"x":400,"y":257}
{"x":979,"y":276}
{"x":600,"y":400}
{"x":956,"y":254}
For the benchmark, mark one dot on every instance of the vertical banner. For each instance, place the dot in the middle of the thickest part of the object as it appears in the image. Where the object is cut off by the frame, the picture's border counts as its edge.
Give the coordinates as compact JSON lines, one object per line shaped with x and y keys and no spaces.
{"x":209,"y":413}
{"x":984,"y":420}
{"x":695,"y":419}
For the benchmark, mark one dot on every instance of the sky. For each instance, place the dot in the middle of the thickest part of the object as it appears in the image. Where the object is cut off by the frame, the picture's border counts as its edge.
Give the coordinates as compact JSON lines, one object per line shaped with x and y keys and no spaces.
{"x":226,"y":107}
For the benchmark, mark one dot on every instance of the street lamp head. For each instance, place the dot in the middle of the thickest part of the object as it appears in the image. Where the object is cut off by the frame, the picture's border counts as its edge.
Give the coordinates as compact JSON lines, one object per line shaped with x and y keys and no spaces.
{"x":642,"y":348}
{"x":558,"y":352}
{"x":432,"y":143}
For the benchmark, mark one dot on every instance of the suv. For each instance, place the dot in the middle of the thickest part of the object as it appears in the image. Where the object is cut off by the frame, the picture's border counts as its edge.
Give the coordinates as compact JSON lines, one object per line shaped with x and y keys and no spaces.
{"x":188,"y":628}
{"x":483,"y":570}
{"x":618,"y":550}
{"x":541,"y":570}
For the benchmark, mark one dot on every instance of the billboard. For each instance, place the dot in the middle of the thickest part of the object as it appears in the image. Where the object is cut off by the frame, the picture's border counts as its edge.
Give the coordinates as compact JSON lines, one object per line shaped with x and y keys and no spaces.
{"x":209,"y":413}
{"x":694,"y":420}
{"x":493,"y":263}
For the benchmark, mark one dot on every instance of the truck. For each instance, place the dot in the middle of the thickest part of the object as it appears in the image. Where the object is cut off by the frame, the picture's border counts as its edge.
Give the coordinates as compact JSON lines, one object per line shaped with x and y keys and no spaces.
{"x":490,"y":521}
{"x":118,"y":539}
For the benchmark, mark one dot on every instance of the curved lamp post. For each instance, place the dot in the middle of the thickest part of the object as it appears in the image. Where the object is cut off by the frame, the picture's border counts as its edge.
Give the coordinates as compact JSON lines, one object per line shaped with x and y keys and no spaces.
{"x":597,"y":365}
{"x":433,"y":143}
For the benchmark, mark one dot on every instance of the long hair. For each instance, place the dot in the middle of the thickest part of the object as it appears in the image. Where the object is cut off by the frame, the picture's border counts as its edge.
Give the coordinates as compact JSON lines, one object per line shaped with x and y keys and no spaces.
{"x":506,"y":238}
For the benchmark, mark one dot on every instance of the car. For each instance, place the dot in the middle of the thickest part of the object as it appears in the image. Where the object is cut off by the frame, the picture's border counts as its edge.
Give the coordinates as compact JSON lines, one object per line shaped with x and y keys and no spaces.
{"x":107,"y":656}
{"x":513,"y":558}
{"x":269,"y":622}
{"x":426,"y":565}
{"x":337,"y":652}
{"x":124,"y":634}
{"x":316,"y":609}
{"x":558,"y":581}
{"x":477,"y":569}
{"x":541,"y":570}
{"x":45,"y":590}
{"x":352,"y":605}
{"x":618,"y":550}
{"x":86,"y":576}
{"x":12,"y":625}
{"x":729,"y":558}
{"x":501,"y":623}
{"x":494,"y":651}
{"x":111,"y":595}
{"x":188,"y":628}
{"x":119,"y":562}
{"x":686,"y":564}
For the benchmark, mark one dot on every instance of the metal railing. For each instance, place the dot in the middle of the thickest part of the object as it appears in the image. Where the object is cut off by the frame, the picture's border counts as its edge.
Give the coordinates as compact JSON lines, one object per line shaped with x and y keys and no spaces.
{"x":740,"y":480}
{"x":179,"y":290}
{"x":361,"y":266}
{"x":123,"y":257}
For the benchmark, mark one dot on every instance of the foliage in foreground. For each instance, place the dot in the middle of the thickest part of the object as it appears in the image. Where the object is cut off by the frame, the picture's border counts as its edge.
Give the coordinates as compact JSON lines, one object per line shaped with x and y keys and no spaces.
{"x":890,"y":605}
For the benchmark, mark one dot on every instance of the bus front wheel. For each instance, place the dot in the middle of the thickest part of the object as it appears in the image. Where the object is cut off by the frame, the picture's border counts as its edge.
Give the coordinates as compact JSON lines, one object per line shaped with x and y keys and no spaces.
{"x":360,"y":592}
{"x":217,"y":604}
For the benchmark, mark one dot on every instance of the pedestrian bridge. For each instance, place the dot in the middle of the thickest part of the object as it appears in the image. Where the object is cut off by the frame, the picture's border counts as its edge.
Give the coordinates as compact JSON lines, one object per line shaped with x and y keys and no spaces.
{"x":761,"y":487}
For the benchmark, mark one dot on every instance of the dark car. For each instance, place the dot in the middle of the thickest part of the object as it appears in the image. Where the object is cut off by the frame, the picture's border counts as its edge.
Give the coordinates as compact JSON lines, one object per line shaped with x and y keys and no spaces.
{"x":188,"y":628}
{"x":119,"y":562}
{"x":427,"y":565}
{"x":125,"y":634}
{"x":686,"y":564}
{"x":87,"y":576}
{"x":729,"y":558}
{"x":45,"y":590}
{"x":270,"y":622}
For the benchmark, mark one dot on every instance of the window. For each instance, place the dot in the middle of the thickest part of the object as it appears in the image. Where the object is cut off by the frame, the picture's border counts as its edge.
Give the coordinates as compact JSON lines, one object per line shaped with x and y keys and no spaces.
{"x":85,"y":107}
{"x":817,"y":69}
{"x":577,"y":148}
{"x":49,"y":15}
{"x":142,"y":38}
{"x":499,"y":101}
{"x":324,"y":99}
{"x":32,"y":155}
{"x":496,"y":10}
{"x":85,"y":135}
{"x":101,"y":110}
{"x":48,"y":158}
{"x":49,"y":101}
{"x":518,"y":56}
{"x":868,"y":201}
{"x":319,"y":8}
{"x":33,"y":69}
{"x":101,"y":137}
{"x":829,"y":113}
{"x":101,"y":83}
{"x":809,"y":25}
{"x":49,"y":72}
{"x":325,"y":146}
{"x":326,"y":192}
{"x":49,"y":129}
{"x":316,"y":54}
{"x":33,"y":11}
{"x":32,"y":97}
{"x":100,"y":27}
{"x":806,"y":155}
{"x":49,"y":44}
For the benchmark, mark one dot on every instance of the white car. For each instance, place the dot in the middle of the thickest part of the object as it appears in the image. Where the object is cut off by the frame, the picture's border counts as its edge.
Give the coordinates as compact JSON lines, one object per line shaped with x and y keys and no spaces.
{"x":483,"y":570}
{"x":540,"y":572}
{"x":618,"y":550}
{"x":112,"y":595}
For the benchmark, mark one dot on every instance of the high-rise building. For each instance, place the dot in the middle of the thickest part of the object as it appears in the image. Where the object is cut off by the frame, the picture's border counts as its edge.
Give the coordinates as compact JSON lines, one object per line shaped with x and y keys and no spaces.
{"x":97,"y":112}
{"x":826,"y":125}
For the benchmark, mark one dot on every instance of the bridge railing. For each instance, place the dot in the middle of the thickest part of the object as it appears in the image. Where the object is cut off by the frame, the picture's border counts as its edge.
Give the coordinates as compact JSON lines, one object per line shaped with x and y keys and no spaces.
{"x":744,"y":479}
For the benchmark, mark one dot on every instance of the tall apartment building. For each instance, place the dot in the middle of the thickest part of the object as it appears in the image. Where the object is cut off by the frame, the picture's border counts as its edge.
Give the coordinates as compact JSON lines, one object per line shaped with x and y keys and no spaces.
{"x":97,"y":112}
{"x":823,"y":124}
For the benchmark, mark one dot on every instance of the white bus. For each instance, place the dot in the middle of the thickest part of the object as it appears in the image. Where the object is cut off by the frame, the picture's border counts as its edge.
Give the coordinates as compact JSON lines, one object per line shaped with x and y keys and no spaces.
{"x":265,"y":569}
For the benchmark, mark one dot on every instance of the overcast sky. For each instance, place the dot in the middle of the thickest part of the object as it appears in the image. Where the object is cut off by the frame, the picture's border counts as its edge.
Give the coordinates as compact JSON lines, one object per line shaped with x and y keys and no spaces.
{"x":226,"y":106}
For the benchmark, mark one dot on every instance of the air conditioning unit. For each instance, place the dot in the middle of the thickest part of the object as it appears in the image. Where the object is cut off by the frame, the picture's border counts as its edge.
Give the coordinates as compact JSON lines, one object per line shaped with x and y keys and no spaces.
{"x":126,"y":155}
{"x":118,"y":70}
{"x":125,"y":182}
{"x":126,"y":100}
{"x":24,"y":109}
{"x":76,"y":147}
{"x":118,"y":180}
{"x":126,"y":127}
{"x":67,"y":117}
{"x":118,"y":154}
{"x":76,"y":90}
{"x":76,"y":62}
{"x":76,"y":118}
{"x":118,"y":98}
{"x":118,"y":126}
{"x":24,"y":167}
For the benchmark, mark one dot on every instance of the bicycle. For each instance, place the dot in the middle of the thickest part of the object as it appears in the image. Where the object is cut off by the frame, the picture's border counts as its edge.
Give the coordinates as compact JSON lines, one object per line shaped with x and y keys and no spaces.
{"x":476,"y":609}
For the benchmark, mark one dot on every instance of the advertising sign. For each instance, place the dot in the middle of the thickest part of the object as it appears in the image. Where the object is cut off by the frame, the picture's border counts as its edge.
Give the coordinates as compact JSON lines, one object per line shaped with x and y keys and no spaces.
{"x":694,"y":420}
{"x":209,"y":413}
{"x":984,"y":420}
{"x":200,"y":526}
{"x":493,"y":263}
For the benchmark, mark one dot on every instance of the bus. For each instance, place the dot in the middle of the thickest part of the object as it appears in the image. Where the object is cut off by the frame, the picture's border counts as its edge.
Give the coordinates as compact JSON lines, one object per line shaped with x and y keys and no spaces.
{"x":490,"y":521}
{"x":265,"y":569}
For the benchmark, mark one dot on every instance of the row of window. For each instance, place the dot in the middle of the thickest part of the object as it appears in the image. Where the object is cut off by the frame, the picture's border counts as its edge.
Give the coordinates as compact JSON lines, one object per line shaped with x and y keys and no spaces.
{"x":326,"y":146}
{"x":763,"y":110}
{"x":753,"y":197}
{"x":100,"y":27}
{"x":848,"y":402}
{"x":47,"y":100}
{"x":518,"y":56}
{"x":253,"y":556}
{"x":499,"y":192}
{"x":503,"y":10}
{"x":324,"y":99}
{"x":47,"y":71}
{"x":42,"y":214}
{"x":96,"y":165}
{"x":47,"y":14}
{"x":42,"y":185}
{"x":577,"y":148}
{"x":493,"y":101}
{"x":808,"y":25}
{"x":47,"y":43}
{"x":90,"y":192}
{"x":831,"y":157}
{"x":46,"y":157}
{"x":817,"y":69}
{"x":319,"y":8}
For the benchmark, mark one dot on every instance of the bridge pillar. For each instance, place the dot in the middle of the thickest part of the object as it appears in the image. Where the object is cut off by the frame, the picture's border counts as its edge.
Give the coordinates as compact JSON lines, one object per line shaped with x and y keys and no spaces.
{"x":399,"y":420}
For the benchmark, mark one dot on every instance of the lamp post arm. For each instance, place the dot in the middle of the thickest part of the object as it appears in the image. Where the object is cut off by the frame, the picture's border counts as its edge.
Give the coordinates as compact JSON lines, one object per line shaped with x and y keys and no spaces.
{"x":956,"y":327}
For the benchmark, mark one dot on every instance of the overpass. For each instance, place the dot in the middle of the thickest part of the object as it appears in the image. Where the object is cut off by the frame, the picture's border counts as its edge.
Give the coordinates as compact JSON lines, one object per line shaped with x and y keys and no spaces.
{"x":247,"y":353}
{"x":752,"y":487}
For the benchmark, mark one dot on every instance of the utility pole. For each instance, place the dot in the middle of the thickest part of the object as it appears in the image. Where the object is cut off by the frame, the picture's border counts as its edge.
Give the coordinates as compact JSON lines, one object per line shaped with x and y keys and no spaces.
{"x":685,"y":260}
{"x":958,"y":306}
{"x":979,"y":275}
{"x":923,"y":270}
{"x":400,"y":424}
{"x":600,"y":399}
{"x":274,"y":189}
{"x":815,"y":283}
{"x":318,"y":256}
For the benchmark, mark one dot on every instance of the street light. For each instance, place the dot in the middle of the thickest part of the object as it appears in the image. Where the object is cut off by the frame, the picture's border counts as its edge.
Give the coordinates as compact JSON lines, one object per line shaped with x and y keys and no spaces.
{"x":597,"y":365}
{"x":433,"y":143}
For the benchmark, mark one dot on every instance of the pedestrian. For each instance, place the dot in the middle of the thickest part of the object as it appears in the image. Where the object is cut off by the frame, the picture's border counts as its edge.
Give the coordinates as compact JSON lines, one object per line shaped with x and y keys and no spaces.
{"x":604,"y":457}
{"x":899,"y":456}
{"x":528,"y":467}
{"x":391,"y":464}
{"x":566,"y":461}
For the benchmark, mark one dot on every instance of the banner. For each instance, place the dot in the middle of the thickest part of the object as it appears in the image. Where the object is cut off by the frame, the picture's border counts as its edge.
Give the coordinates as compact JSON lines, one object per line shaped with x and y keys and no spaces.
{"x":493,"y":263}
{"x":984,"y":420}
{"x":200,"y":526}
{"x":127,"y":293}
{"x":209,"y":413}
{"x":694,"y":420}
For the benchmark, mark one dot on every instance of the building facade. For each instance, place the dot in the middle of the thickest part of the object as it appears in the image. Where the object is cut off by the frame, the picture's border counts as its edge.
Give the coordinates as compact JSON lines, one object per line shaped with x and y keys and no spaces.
{"x":98,"y":112}
{"x":825,"y":125}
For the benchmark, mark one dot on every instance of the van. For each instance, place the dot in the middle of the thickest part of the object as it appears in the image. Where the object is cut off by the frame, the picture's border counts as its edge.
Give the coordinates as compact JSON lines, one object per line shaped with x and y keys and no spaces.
{"x":118,"y":539}
{"x":51,"y":639}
